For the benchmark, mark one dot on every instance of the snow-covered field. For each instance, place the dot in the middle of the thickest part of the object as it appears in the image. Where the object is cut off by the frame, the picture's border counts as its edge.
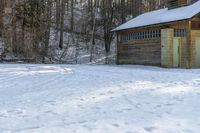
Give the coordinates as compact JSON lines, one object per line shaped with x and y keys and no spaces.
{"x":98,"y":99}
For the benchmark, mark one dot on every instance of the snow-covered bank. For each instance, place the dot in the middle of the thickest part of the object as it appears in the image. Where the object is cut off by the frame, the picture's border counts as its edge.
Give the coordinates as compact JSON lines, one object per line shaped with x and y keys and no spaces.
{"x":98,"y":99}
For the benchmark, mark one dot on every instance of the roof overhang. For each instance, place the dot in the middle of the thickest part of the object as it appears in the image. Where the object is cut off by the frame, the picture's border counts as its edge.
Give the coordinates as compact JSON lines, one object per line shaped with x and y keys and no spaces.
{"x":148,"y":26}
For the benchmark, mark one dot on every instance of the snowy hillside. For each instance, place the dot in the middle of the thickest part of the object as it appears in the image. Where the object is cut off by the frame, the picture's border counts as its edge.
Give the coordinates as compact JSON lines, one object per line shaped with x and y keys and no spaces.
{"x":98,"y":99}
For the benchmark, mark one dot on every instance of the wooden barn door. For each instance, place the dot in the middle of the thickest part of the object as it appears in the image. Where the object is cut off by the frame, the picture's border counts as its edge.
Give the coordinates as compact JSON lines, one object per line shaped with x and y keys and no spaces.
{"x":197,"y":52}
{"x":176,"y":52}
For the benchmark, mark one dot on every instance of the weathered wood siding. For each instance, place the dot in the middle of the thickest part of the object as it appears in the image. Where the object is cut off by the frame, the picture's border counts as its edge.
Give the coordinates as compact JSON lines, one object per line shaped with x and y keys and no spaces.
{"x":146,"y":51}
{"x":150,"y":51}
{"x":195,"y":24}
{"x":167,"y":47}
{"x":184,"y":52}
{"x":194,"y":35}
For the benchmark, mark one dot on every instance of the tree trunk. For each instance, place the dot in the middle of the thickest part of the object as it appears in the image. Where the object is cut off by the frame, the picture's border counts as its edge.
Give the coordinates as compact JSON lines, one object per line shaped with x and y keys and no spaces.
{"x":62,"y":25}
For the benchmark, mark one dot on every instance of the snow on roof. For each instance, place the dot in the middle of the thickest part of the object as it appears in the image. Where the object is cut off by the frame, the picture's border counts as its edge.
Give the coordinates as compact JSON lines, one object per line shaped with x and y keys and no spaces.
{"x":162,"y":16}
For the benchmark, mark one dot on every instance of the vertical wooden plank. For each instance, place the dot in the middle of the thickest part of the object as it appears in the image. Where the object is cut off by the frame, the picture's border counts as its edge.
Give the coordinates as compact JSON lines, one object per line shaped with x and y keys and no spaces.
{"x":183,"y":52}
{"x":176,"y":52}
{"x":189,"y":60}
{"x":197,"y":52}
{"x":167,"y":47}
{"x":118,"y":43}
{"x":195,"y":35}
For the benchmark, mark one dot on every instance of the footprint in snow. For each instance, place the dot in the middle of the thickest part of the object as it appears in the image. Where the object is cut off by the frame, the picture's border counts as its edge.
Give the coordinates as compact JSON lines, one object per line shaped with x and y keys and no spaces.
{"x":102,"y":94}
{"x":50,"y":112}
{"x":18,"y":112}
{"x":158,"y":106}
{"x":124,"y":110}
{"x":169,"y":104}
{"x":179,"y":99}
{"x":82,"y":122}
{"x":126,"y":123}
{"x":149,"y":129}
{"x":104,"y":112}
{"x":3,"y":116}
{"x":137,"y":106}
{"x":88,"y":128}
{"x":187,"y":131}
{"x":96,"y":108}
{"x":147,"y":103}
{"x":150,"y":112}
{"x":110,"y":92}
{"x":119,"y":111}
{"x":130,"y":132}
{"x":51,"y":102}
{"x":112,"y":97}
{"x":80,"y":106}
{"x":116,"y":125}
{"x":82,"y":99}
{"x":127,"y":109}
{"x":168,"y":112}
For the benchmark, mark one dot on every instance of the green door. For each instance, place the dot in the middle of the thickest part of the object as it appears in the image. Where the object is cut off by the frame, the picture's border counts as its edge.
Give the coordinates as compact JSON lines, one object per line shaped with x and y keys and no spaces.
{"x":197,"y":52}
{"x":176,"y":55}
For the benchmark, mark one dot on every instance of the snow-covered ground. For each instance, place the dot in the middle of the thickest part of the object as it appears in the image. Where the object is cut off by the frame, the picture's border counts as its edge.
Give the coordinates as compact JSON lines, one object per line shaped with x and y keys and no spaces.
{"x":98,"y":99}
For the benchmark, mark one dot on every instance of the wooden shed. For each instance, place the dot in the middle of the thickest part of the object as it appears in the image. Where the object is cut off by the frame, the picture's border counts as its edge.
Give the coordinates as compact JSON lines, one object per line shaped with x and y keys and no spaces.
{"x":168,"y":37}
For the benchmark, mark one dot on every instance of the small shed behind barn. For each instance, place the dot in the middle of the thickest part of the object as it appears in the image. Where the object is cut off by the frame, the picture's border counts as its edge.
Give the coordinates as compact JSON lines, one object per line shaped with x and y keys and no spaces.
{"x":168,"y":37}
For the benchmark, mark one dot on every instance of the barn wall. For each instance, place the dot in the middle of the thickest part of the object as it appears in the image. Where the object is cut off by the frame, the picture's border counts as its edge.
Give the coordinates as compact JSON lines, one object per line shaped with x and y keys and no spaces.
{"x":146,"y":52}
{"x":150,"y":51}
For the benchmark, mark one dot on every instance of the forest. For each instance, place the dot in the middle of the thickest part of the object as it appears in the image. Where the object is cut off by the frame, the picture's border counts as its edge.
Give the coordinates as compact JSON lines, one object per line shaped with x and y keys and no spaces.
{"x":65,"y":31}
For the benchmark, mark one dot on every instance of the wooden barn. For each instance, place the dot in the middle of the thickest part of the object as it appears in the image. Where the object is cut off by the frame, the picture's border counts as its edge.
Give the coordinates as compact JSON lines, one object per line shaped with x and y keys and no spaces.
{"x":168,"y":37}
